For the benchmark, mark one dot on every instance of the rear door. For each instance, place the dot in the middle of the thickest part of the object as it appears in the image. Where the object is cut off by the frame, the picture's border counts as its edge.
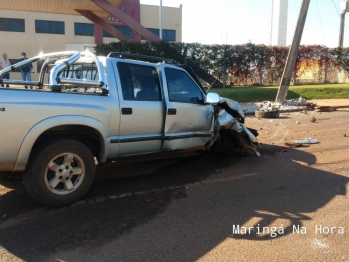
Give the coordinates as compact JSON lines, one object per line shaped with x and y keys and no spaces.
{"x":188,"y":118}
{"x":141,"y":108}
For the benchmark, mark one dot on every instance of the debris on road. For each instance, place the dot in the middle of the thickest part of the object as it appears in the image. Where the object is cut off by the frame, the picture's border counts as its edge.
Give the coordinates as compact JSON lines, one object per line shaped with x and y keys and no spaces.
{"x":306,"y":141}
{"x":267,"y":114}
{"x":268,"y":106}
{"x":292,"y":145}
{"x":325,"y":109}
{"x":297,"y":105}
{"x":293,"y":105}
{"x":312,"y":119}
{"x":330,"y":108}
{"x":267,"y":109}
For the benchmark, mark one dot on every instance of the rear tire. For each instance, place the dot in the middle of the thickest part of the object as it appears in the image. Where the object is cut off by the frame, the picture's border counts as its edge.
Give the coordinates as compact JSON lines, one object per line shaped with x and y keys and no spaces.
{"x":60,"y":172}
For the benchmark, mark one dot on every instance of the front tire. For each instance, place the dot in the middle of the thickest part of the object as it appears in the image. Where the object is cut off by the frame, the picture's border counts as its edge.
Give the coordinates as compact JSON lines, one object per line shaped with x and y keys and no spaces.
{"x":227,"y":143}
{"x":60,"y":172}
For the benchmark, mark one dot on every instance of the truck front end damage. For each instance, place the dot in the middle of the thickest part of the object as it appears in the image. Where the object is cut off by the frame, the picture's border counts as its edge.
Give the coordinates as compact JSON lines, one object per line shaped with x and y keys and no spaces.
{"x":231,"y":136}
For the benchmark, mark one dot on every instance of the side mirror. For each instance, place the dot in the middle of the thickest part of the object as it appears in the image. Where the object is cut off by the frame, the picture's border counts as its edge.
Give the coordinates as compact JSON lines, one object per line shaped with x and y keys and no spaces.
{"x":212,"y":98}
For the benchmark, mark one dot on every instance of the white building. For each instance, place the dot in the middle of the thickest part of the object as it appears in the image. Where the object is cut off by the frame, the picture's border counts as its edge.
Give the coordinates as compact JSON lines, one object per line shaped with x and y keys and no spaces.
{"x":278,"y":29}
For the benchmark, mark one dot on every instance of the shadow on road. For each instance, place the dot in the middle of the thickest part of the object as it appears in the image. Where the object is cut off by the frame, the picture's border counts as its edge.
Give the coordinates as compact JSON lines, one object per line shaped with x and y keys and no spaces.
{"x":287,"y":187}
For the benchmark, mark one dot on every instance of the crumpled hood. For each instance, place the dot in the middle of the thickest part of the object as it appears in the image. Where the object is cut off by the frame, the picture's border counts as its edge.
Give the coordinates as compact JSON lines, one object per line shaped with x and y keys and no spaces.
{"x":234,"y":105}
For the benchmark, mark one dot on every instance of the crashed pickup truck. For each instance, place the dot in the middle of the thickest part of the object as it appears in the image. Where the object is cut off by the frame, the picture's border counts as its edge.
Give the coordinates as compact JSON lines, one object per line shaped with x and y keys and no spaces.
{"x":86,"y":109}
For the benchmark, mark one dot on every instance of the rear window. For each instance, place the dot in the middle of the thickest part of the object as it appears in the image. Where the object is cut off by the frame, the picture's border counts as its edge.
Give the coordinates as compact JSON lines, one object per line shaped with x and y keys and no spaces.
{"x":85,"y":71}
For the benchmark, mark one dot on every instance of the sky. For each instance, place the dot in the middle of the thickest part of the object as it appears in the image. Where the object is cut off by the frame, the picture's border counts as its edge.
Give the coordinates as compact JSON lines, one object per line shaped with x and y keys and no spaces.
{"x":242,"y":21}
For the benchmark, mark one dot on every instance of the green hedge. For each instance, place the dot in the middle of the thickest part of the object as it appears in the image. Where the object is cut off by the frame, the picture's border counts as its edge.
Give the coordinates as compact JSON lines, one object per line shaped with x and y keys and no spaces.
{"x":242,"y":62}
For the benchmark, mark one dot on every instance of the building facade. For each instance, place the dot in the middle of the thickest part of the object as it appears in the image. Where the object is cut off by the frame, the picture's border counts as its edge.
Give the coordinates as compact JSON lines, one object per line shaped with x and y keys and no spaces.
{"x":35,"y":32}
{"x":278,"y":30}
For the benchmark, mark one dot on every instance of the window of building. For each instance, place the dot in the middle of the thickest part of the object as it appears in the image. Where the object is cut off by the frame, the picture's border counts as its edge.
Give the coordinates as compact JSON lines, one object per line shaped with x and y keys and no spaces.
{"x":124,"y":29}
{"x":84,"y":29}
{"x":167,"y":34}
{"x":154,"y":31}
{"x":12,"y":24}
{"x":49,"y":27}
{"x":181,"y":88}
{"x":14,"y":61}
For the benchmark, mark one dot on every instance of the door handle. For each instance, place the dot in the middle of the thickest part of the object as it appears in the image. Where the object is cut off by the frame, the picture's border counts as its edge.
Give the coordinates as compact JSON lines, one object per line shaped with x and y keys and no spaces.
{"x":172,"y":111}
{"x":126,"y":111}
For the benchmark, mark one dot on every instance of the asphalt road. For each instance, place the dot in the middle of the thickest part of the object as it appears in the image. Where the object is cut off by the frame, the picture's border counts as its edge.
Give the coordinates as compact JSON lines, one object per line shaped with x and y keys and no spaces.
{"x":185,"y":209}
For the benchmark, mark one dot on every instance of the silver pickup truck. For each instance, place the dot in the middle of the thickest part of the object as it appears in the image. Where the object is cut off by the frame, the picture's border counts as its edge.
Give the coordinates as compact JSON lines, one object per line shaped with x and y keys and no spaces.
{"x":87,"y":109}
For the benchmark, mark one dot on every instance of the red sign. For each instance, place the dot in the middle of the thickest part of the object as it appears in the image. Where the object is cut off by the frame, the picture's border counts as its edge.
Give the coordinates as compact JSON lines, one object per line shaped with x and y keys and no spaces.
{"x":129,"y":7}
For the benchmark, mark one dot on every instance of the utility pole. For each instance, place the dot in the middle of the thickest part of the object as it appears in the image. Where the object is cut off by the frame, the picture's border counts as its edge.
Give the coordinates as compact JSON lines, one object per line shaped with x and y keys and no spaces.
{"x":326,"y":67}
{"x":341,"y":31}
{"x":344,"y":9}
{"x":224,"y":67}
{"x":160,"y":22}
{"x":292,"y":53}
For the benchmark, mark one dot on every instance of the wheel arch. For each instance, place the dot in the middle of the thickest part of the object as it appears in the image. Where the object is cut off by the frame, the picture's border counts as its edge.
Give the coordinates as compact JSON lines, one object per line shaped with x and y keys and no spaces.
{"x":80,"y":128}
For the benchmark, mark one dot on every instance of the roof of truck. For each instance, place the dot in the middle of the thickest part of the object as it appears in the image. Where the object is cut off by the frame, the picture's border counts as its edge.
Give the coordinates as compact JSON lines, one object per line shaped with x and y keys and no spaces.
{"x":143,"y":58}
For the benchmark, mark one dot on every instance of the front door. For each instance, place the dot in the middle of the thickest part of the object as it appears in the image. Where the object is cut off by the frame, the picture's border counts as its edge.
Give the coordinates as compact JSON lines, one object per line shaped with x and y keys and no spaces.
{"x":141,"y":108}
{"x":188,"y":118}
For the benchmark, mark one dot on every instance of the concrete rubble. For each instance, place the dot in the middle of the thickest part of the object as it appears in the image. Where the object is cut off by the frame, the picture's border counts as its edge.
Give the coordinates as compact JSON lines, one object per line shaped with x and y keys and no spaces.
{"x":293,"y":105}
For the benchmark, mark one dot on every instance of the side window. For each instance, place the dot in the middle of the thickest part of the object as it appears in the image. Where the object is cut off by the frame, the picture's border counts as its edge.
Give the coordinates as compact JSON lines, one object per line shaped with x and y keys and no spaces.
{"x":181,"y":88}
{"x":139,"y":82}
{"x":125,"y":79}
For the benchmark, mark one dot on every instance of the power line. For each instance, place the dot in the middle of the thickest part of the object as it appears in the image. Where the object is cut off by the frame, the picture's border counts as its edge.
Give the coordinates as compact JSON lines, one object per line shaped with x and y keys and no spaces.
{"x":322,"y":30}
{"x":335,"y":6}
